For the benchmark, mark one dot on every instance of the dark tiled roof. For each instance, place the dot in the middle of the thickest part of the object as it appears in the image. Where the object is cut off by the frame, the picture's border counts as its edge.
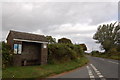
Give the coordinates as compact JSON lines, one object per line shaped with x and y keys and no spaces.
{"x":27,"y":36}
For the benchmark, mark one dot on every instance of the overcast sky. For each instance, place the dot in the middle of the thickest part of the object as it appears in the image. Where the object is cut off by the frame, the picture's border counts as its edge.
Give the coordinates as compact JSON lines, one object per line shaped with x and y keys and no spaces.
{"x":77,"y":21}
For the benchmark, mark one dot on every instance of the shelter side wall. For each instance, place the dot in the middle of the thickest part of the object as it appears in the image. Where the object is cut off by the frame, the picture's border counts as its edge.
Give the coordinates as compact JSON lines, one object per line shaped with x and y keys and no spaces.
{"x":44,"y":55}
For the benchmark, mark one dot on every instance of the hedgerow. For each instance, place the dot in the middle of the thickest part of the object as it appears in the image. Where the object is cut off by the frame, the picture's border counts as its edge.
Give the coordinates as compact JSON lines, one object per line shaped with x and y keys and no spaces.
{"x":58,"y":53}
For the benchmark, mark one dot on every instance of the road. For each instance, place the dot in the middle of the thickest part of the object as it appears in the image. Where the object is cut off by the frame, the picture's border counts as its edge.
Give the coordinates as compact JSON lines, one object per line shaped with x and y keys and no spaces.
{"x":98,"y":68}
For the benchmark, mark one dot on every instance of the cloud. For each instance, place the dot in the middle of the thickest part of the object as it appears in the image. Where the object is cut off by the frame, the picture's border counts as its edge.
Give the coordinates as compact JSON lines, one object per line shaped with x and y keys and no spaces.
{"x":74,"y":28}
{"x":75,"y":20}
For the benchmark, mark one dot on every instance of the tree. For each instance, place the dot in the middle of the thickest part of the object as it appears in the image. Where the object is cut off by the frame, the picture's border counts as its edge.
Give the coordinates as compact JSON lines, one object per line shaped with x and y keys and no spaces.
{"x":64,"y":40}
{"x":51,"y":40}
{"x":108,"y":36}
{"x":83,"y":47}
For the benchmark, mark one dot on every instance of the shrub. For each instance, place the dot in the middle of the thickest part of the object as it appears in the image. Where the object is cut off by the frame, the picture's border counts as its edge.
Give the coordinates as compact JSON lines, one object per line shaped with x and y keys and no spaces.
{"x":112,"y":51}
{"x":83,"y":47}
{"x":78,"y":49}
{"x":95,"y":53}
{"x":6,"y":55}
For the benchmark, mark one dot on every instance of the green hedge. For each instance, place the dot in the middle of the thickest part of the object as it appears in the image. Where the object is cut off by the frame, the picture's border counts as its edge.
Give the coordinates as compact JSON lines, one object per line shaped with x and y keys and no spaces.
{"x":58,"y":53}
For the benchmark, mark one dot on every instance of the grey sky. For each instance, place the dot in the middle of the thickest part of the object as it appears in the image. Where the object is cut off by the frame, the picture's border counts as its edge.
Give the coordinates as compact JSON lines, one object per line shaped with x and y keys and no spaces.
{"x":75,"y":20}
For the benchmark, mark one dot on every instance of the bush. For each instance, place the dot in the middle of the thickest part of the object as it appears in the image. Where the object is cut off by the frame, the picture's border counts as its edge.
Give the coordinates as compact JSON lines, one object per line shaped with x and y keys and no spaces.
{"x":95,"y":53}
{"x":112,"y":51}
{"x":78,"y":49}
{"x":58,"y":53}
{"x":6,"y":55}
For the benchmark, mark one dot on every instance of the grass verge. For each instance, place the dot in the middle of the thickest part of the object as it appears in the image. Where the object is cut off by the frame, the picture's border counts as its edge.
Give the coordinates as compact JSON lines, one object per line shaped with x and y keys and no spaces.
{"x":108,"y":57}
{"x":42,"y":71}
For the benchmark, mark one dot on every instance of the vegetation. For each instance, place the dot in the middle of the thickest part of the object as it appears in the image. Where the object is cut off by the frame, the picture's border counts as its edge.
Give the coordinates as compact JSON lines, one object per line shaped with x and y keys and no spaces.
{"x":83,"y":47}
{"x":104,"y":55}
{"x":61,"y":57}
{"x":6,"y":55}
{"x":51,"y":40}
{"x":63,"y":52}
{"x":42,"y":70}
{"x":109,"y":37}
{"x":64,"y":40}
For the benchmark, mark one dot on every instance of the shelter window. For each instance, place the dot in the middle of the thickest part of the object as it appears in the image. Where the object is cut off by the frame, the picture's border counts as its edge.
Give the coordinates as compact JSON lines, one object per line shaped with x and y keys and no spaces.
{"x":17,"y":48}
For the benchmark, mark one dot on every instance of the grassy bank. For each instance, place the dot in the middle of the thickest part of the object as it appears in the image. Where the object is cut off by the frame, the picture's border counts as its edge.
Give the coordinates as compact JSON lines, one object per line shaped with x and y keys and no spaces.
{"x":42,"y":70}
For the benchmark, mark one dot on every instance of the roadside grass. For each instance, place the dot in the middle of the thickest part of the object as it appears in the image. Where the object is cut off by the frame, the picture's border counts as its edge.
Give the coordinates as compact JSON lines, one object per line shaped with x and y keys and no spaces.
{"x":42,"y":71}
{"x":115,"y":57}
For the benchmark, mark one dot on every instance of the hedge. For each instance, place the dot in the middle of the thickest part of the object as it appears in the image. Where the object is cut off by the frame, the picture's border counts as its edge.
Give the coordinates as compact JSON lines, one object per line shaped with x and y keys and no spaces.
{"x":58,"y":53}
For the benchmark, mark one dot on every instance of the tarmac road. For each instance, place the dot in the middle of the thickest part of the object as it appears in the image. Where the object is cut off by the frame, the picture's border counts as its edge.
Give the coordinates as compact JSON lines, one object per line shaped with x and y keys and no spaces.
{"x":98,"y":68}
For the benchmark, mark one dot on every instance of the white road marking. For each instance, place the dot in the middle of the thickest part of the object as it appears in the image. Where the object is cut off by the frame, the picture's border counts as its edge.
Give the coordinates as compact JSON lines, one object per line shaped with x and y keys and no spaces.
{"x":98,"y":72}
{"x":113,"y":62}
{"x":90,"y":73}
